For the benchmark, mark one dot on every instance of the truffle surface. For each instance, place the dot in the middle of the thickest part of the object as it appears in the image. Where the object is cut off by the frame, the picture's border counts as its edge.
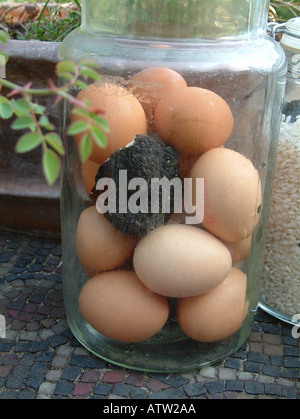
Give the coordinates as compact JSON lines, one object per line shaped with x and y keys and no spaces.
{"x":146,"y":159}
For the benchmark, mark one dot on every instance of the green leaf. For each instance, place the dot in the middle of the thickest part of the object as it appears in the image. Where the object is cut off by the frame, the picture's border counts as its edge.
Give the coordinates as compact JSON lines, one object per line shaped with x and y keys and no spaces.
{"x":78,"y":127}
{"x":82,"y":84}
{"x":99,"y":136}
{"x":90,"y":73}
{"x":45,"y":123}
{"x":28,"y":142}
{"x":85,"y":62}
{"x":85,"y":148}
{"x":67,"y":66}
{"x":38,"y":109}
{"x":102,"y":122}
{"x":55,"y":142}
{"x":6,"y":110}
{"x":51,"y":166}
{"x":23,"y":122}
{"x":3,"y":59}
{"x":81,"y":112}
{"x":66,"y":76}
{"x":21,"y":106}
{"x":3,"y":37}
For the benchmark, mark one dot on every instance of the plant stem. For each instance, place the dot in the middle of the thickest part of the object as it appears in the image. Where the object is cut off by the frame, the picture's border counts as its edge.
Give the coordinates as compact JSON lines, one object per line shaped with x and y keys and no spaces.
{"x":13,"y":86}
{"x":51,"y":91}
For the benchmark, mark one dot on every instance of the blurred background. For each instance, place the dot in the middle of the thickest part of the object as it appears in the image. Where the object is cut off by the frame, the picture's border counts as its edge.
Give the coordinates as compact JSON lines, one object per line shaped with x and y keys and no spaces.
{"x":53,"y":20}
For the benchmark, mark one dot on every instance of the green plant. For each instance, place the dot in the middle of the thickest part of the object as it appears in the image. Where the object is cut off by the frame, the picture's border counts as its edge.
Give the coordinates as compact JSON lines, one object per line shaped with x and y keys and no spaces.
{"x":30,"y":116}
{"x":52,"y":27}
{"x":54,"y":21}
{"x":283,"y":10}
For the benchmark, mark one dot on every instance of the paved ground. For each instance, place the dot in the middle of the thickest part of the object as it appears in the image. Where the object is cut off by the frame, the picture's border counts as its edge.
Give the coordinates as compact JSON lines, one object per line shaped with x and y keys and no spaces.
{"x":40,"y":358}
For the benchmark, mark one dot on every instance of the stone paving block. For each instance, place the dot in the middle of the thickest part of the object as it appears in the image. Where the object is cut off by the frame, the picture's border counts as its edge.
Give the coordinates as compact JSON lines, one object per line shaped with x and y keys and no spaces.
{"x":26,"y":395}
{"x":113,"y":377}
{"x":252,"y":387}
{"x":41,"y":359}
{"x":271,"y":370}
{"x":273,"y":389}
{"x":215,"y":387}
{"x":82,"y":389}
{"x":90,"y":376}
{"x":4,"y":371}
{"x":35,"y":380}
{"x":138,"y":393}
{"x":253,"y":367}
{"x":71,"y":373}
{"x":102,"y":389}
{"x":47,"y":388}
{"x":290,"y":392}
{"x":136,"y":380}
{"x":122,"y":390}
{"x":194,"y":389}
{"x":156,"y":385}
{"x":227,"y":374}
{"x":39,"y":368}
{"x":234,"y":386}
{"x":79,"y":360}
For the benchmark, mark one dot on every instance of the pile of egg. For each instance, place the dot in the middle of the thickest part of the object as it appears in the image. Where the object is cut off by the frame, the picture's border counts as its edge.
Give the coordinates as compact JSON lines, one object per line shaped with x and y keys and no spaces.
{"x":132,"y":279}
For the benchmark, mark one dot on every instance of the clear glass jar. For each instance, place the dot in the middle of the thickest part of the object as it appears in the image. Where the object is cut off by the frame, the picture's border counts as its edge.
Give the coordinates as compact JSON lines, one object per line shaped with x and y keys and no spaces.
{"x":281,"y":275}
{"x":177,"y":288}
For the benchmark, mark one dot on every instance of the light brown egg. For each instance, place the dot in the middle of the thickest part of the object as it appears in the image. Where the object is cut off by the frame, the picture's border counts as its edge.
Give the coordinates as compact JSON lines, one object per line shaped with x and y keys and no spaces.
{"x":120,"y":307}
{"x":232,"y":193}
{"x":150,"y":85}
{"x":186,"y":164}
{"x":178,"y":260}
{"x":239,"y":250}
{"x":89,"y":169}
{"x":99,"y":246}
{"x":123,"y":112}
{"x":193,"y":120}
{"x":218,"y":314}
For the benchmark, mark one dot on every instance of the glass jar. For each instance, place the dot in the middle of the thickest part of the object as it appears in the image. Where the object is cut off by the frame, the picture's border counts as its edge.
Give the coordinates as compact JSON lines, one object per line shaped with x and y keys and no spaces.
{"x":281,"y":275}
{"x":164,"y":276}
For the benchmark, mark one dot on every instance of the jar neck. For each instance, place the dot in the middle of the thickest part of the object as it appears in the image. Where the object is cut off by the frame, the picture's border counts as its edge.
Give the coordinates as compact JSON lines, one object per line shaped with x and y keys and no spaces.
{"x":176,"y":19}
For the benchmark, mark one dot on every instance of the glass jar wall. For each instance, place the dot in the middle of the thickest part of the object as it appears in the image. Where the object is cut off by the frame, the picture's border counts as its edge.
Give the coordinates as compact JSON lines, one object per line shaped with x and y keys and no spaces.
{"x":163,"y":247}
{"x":281,"y":275}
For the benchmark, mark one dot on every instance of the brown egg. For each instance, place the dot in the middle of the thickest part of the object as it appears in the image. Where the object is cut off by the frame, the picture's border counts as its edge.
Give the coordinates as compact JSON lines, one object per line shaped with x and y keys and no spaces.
{"x":150,"y":85}
{"x":179,"y":260}
{"x":193,"y":120}
{"x":186,"y":164}
{"x":99,"y":246}
{"x":123,"y":112}
{"x":239,"y":250}
{"x":218,"y":314}
{"x":232,"y":193}
{"x":120,"y":307}
{"x":89,"y":169}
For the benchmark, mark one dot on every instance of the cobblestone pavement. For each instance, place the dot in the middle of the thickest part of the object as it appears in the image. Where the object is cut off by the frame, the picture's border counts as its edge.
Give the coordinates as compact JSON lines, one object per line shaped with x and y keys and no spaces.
{"x":40,"y":358}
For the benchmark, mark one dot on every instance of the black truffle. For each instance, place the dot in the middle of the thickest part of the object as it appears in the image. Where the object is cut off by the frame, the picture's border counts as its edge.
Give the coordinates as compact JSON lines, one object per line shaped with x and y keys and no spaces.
{"x":143,"y":159}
